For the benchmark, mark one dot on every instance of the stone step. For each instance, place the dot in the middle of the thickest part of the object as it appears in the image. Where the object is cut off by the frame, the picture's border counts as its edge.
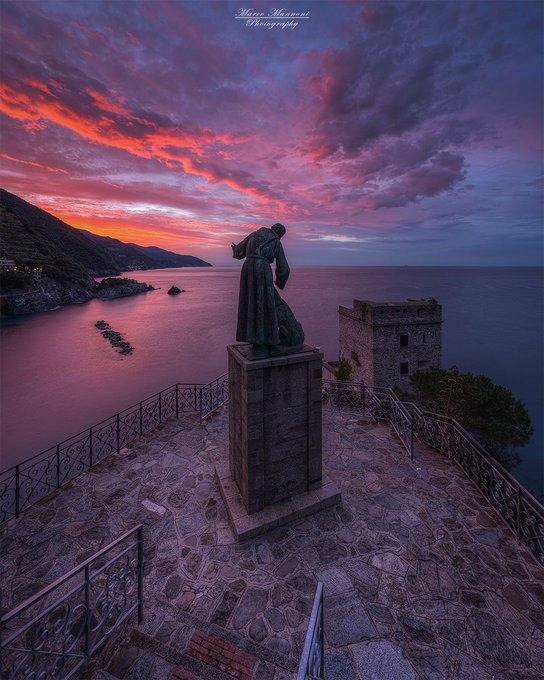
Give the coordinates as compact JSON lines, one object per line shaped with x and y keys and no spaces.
{"x":184,"y":647}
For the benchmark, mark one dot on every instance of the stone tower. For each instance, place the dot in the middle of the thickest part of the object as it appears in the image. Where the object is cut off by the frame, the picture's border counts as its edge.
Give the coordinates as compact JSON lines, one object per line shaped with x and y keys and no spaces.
{"x":386,"y":342}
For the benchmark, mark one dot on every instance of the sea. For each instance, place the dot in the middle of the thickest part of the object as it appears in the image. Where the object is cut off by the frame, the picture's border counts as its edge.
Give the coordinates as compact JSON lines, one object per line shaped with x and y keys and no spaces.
{"x":58,"y":375}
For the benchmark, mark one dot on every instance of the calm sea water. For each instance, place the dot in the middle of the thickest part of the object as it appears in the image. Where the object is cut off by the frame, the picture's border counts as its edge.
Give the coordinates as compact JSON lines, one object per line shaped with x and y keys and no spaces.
{"x":59,"y":376}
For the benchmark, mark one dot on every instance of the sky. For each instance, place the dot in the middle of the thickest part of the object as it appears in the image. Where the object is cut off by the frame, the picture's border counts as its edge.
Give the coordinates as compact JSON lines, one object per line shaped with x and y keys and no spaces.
{"x":379,"y":133}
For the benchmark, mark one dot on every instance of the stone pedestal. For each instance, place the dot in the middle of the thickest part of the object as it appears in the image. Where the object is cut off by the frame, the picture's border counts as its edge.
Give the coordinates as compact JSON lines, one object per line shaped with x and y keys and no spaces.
{"x":275,"y":440}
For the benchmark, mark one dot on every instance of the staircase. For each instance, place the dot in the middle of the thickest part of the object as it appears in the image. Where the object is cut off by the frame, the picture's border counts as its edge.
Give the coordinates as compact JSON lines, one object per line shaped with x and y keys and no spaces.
{"x":187,"y":648}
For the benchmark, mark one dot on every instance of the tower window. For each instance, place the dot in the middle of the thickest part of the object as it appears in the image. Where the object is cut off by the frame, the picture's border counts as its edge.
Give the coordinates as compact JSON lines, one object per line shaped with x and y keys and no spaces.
{"x":403,"y":368}
{"x":424,"y":340}
{"x":404,"y":340}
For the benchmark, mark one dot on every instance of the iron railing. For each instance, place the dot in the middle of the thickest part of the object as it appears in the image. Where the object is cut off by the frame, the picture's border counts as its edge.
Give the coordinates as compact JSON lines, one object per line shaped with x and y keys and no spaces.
{"x":55,"y":631}
{"x":213,"y":395}
{"x":312,"y":661}
{"x":518,"y":507}
{"x":28,"y":482}
{"x":378,"y":403}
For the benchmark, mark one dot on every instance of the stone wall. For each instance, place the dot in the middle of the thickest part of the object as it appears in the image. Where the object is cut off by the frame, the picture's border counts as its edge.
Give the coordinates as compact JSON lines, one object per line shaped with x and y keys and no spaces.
{"x":386,"y":342}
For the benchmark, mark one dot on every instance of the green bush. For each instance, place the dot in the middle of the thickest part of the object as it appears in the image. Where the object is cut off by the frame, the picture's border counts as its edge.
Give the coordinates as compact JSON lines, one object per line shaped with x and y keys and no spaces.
{"x":490,"y":412}
{"x":343,"y":372}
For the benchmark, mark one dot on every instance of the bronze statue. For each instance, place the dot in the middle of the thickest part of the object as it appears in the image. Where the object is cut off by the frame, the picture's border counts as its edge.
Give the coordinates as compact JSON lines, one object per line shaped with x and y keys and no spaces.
{"x":264,"y":319}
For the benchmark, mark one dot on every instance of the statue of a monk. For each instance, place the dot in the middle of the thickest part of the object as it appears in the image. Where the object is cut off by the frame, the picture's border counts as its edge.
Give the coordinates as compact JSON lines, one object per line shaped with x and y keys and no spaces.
{"x":264,"y":319}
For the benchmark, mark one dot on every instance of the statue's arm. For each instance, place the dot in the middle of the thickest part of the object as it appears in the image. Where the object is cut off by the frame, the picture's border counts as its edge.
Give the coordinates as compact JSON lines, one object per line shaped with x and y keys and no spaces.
{"x":239,"y":249}
{"x":282,"y":268}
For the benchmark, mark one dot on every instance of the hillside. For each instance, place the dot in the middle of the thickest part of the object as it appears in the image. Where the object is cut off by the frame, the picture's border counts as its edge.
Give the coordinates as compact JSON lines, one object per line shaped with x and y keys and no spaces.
{"x":56,"y":264}
{"x":129,"y":256}
{"x":33,"y":237}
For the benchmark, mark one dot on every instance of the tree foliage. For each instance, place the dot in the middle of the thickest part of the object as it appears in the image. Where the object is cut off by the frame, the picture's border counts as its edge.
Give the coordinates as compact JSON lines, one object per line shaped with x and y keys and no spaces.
{"x":490,"y":412}
{"x":343,"y":372}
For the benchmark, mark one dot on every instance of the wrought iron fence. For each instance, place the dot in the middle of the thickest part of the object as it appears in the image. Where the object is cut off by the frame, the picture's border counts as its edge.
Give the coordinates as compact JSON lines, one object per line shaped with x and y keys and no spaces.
{"x":312,"y":662}
{"x":35,"y":478}
{"x":51,"y":634}
{"x":517,"y":506}
{"x":401,"y":421}
{"x":213,"y":395}
{"x":30,"y":481}
{"x":377,"y":403}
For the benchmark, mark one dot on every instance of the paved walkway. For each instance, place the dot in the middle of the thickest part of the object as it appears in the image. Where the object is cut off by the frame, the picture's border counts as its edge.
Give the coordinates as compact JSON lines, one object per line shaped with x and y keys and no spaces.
{"x":422,"y":579}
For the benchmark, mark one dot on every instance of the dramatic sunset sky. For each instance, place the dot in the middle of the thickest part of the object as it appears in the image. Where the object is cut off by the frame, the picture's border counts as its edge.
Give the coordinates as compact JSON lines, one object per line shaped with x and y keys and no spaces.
{"x":378,"y":133}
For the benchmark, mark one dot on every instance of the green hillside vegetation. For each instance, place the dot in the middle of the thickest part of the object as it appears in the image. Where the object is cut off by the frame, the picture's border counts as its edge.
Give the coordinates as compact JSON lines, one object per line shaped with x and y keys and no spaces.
{"x":36,"y":239}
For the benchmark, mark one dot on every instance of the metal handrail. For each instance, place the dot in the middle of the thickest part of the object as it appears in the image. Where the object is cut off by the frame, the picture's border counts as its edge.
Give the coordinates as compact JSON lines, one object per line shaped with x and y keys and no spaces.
{"x":31,"y":480}
{"x":380,"y":403}
{"x":521,"y":511}
{"x":524,"y":514}
{"x":312,"y":661}
{"x":52,"y":634}
{"x":213,"y":395}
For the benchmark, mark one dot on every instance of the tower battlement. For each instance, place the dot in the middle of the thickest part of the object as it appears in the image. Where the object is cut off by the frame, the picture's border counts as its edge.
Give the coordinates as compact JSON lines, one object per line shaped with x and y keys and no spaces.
{"x":386,"y":342}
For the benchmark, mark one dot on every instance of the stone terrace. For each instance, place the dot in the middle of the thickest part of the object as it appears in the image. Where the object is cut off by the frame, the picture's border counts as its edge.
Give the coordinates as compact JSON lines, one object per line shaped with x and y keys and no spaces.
{"x":422,"y":578}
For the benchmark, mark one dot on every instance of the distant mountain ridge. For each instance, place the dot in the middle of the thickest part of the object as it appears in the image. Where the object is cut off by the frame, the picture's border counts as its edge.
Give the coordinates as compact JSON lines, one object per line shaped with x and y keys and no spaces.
{"x":130,"y":256}
{"x":34,"y":237}
{"x":56,"y":264}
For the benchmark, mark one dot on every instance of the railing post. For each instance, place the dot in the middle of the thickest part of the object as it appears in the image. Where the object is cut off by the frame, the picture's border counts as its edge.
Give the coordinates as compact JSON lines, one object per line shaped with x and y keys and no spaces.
{"x":90,"y":447}
{"x":141,"y":420}
{"x":200,"y":404}
{"x":195,"y":398}
{"x":490,"y":485}
{"x":140,"y":574}
{"x":177,"y":401}
{"x":322,"y":641}
{"x":160,"y":407}
{"x":411,"y":416}
{"x":87,"y":612}
{"x":118,"y":424}
{"x":17,"y":490}
{"x":518,"y":515}
{"x":58,"y":466}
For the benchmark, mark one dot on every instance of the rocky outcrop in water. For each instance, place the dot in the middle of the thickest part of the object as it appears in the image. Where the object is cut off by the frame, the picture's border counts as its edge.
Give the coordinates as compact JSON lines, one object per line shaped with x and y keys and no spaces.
{"x":55,"y":264}
{"x":44,"y":293}
{"x":116,"y":339}
{"x":174,"y":290}
{"x":114,"y":288}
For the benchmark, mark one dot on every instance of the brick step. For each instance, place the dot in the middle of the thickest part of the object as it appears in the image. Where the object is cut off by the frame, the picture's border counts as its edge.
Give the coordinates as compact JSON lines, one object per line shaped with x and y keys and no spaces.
{"x":187,"y":648}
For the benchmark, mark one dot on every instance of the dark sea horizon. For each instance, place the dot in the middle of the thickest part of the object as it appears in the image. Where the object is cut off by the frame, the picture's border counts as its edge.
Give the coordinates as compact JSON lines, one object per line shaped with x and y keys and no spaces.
{"x":59,"y":376}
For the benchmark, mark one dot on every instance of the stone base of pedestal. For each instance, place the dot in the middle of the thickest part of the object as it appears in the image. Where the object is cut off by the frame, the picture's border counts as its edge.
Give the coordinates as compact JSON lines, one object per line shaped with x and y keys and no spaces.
{"x":274,"y":425}
{"x":246,"y":526}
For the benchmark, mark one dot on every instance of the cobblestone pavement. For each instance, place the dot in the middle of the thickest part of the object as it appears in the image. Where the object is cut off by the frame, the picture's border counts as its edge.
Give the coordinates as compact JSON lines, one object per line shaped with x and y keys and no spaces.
{"x":422,"y":578}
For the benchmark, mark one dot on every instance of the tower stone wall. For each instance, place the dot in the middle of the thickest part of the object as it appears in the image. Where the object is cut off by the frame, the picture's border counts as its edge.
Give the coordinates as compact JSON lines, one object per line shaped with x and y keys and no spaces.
{"x":386,"y":342}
